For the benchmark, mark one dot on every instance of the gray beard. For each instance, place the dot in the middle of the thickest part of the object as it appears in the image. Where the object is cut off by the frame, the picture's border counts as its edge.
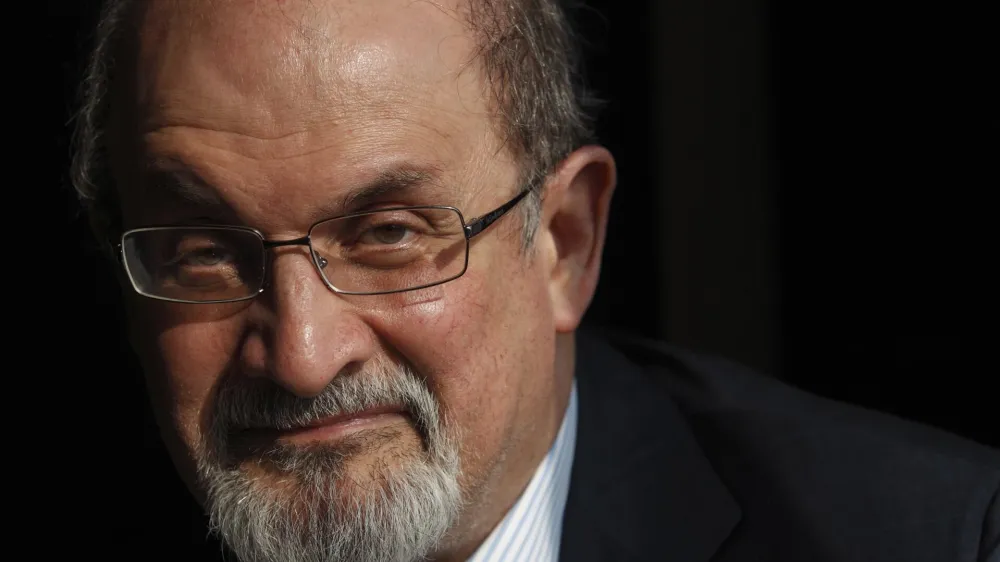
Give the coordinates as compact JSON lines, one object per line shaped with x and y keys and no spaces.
{"x":309,"y":508}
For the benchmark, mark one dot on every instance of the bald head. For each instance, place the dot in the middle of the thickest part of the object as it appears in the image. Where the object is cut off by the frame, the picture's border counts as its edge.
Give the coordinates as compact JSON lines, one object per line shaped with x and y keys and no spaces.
{"x":520,"y":50}
{"x":250,"y":64}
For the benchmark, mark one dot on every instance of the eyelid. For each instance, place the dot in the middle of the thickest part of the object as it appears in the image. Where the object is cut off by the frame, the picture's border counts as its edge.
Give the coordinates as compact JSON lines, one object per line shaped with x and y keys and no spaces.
{"x":200,"y":241}
{"x":389,"y":216}
{"x":378,"y":206}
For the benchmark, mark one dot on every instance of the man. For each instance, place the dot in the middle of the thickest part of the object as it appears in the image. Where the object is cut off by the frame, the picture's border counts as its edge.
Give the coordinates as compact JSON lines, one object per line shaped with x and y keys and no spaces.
{"x":357,"y":240}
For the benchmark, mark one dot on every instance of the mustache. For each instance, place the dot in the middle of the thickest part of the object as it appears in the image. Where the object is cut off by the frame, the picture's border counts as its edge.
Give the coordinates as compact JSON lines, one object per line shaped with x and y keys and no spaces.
{"x":247,"y":404}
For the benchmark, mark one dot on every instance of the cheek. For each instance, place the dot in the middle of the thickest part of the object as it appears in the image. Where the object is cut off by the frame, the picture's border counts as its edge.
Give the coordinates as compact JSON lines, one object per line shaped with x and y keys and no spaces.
{"x":183,"y":361}
{"x":432,"y":329}
{"x":483,"y":344}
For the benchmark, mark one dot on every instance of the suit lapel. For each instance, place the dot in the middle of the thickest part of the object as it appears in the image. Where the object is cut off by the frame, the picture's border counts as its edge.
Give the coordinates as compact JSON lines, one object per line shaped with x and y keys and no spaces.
{"x":641,"y":489}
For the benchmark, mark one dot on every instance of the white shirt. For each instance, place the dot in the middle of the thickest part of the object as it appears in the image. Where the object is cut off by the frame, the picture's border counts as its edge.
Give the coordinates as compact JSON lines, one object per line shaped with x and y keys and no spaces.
{"x":531,"y":530}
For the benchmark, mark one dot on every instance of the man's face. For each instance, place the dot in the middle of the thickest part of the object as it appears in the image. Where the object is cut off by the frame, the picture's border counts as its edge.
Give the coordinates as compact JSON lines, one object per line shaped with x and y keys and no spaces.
{"x":273,"y":115}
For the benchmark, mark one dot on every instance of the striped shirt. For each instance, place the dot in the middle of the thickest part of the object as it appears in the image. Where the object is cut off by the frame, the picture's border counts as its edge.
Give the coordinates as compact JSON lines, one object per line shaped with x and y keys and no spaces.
{"x":531,"y":530}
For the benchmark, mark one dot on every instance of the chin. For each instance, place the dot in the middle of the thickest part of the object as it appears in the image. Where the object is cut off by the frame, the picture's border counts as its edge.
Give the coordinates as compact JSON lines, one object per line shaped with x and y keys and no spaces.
{"x":380,"y":494}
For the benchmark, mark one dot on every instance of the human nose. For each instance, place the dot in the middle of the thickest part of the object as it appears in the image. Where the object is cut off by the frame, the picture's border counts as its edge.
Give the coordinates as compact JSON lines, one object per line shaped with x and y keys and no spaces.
{"x":311,"y":334}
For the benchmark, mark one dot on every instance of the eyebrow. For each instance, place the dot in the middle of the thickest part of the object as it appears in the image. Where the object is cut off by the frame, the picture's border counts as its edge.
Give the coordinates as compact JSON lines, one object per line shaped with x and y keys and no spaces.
{"x":185,"y":185}
{"x":401,"y":180}
{"x":395,"y":181}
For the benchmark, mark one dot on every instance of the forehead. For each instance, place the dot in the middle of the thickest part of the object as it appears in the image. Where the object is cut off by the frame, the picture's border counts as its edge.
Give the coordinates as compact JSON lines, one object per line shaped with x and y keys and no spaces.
{"x":268,"y":68}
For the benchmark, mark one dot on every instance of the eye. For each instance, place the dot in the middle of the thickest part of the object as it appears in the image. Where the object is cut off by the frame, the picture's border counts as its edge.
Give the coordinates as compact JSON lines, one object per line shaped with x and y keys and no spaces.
{"x":205,"y":257}
{"x":195,"y":251}
{"x":385,"y":234}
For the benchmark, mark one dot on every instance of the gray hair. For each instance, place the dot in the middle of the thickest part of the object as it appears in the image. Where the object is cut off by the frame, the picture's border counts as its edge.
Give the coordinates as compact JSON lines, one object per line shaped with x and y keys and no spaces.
{"x":321,"y":512}
{"x":527,"y":53}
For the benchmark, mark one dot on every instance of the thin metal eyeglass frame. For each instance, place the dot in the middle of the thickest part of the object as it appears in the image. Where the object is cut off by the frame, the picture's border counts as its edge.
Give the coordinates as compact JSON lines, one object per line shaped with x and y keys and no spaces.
{"x":470,"y":230}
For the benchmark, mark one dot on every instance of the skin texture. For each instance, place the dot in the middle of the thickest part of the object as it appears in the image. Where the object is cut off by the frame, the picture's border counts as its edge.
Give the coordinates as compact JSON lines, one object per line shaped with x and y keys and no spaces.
{"x":275,"y":111}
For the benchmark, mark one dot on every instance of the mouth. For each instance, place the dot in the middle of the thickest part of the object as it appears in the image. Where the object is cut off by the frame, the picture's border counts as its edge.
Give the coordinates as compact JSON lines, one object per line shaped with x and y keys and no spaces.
{"x":328,"y":430}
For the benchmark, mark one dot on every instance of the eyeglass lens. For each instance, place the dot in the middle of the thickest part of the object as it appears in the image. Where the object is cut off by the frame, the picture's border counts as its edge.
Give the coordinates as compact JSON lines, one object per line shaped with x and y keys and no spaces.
{"x":377,"y":252}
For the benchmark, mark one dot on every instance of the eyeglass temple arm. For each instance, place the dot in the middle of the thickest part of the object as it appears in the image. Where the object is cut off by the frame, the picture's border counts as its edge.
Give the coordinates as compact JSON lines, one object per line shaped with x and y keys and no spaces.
{"x":482,"y":223}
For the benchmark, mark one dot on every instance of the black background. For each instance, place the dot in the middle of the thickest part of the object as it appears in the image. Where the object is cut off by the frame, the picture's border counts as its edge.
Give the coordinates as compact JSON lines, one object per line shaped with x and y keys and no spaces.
{"x":877,"y":133}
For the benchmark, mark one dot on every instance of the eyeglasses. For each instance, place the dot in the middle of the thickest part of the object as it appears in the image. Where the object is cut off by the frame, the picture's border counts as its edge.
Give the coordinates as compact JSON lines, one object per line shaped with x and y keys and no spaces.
{"x":366,"y":253}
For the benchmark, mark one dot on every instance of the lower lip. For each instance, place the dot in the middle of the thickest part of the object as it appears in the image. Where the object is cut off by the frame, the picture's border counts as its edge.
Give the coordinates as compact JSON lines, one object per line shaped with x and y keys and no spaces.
{"x":341,"y":429}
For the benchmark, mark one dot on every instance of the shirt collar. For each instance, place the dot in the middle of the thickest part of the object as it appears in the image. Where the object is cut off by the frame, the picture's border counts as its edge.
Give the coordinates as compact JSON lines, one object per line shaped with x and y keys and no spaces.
{"x":532,"y":528}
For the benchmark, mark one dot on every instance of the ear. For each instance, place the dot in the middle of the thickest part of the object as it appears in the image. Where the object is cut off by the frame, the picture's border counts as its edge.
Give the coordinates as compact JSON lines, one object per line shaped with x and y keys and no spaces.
{"x":574,"y":219}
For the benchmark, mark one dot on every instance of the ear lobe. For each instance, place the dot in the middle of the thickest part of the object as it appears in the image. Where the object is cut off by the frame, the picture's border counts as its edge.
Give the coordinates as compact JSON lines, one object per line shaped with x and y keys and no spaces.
{"x":576,"y":212}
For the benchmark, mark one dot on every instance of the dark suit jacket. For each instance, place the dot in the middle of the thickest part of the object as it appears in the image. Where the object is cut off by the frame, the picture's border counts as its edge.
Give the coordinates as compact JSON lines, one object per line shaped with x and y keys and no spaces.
{"x":682,"y":458}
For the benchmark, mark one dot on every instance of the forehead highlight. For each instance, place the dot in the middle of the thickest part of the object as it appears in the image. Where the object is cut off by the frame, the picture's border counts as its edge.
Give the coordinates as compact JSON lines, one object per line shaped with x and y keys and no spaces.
{"x":267,"y":65}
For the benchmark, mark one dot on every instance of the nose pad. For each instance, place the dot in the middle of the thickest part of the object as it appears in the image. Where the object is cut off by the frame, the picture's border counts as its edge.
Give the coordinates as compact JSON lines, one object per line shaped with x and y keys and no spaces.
{"x":322,"y":262}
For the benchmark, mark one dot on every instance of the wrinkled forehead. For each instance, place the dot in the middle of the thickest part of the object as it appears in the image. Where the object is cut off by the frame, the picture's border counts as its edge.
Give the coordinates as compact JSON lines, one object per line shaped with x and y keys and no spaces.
{"x":272,"y":65}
